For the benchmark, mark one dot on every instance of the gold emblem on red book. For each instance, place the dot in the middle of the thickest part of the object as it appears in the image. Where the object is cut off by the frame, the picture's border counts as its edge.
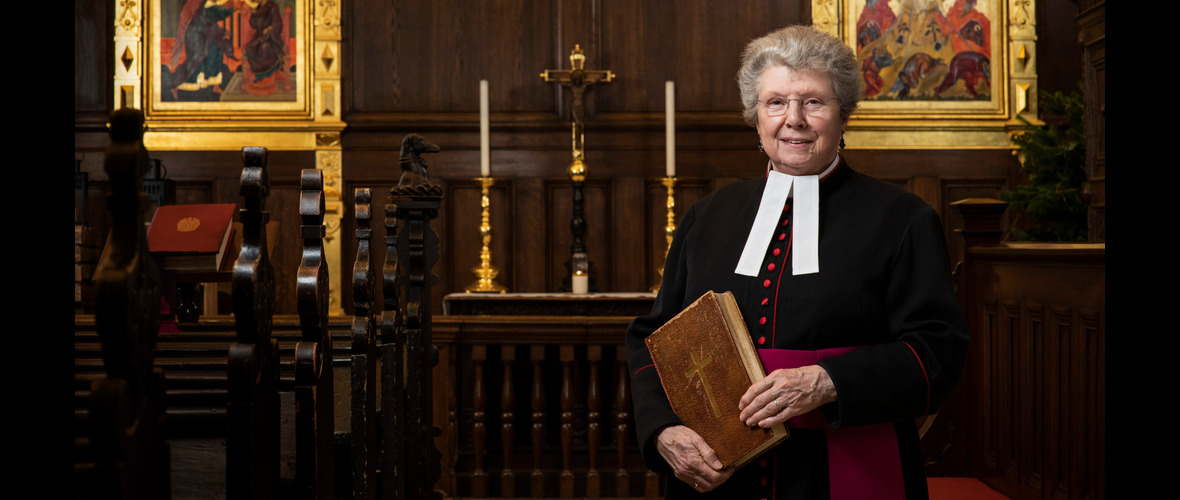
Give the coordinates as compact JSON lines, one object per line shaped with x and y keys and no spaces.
{"x":188,"y":224}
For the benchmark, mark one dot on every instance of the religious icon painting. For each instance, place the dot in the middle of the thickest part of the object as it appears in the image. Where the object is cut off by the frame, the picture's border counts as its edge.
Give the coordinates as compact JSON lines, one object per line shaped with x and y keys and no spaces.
{"x":941,"y":56}
{"x":224,"y":56}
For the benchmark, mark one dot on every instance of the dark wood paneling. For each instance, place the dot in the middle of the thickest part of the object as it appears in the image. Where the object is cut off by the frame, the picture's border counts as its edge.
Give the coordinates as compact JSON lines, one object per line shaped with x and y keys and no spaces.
{"x":1059,"y":53}
{"x":1037,"y":371}
{"x":421,"y":55}
{"x":93,"y":59}
{"x":696,"y":43}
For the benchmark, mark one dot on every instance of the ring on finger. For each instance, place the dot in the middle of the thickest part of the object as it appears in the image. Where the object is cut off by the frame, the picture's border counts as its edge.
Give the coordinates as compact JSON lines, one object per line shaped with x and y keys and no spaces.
{"x":694,"y":485}
{"x":776,"y":405}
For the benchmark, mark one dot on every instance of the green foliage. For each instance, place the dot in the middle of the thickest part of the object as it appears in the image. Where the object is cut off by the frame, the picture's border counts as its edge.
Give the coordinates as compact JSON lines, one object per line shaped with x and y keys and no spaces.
{"x":1053,"y":156}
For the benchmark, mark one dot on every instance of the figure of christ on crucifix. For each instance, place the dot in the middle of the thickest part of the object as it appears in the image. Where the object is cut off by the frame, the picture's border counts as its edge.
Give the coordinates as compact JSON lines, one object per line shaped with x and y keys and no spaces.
{"x":577,"y":79}
{"x":698,"y":369}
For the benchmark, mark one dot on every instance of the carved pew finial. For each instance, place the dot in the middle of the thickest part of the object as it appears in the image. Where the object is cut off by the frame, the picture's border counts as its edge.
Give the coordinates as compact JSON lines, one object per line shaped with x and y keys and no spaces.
{"x":252,"y":441}
{"x":314,"y":441}
{"x":127,"y":407}
{"x":415,"y":177}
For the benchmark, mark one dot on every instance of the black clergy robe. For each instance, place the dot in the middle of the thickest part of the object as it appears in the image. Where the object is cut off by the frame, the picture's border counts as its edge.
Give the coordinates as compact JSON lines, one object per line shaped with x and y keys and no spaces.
{"x":883,"y":284}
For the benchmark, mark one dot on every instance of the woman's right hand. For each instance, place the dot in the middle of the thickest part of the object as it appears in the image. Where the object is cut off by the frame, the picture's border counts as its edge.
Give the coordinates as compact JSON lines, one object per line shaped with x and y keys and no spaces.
{"x":693,"y":461}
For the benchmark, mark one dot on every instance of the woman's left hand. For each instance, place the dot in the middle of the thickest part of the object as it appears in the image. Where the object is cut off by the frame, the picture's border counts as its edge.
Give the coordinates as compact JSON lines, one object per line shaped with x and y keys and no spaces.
{"x":786,"y":393}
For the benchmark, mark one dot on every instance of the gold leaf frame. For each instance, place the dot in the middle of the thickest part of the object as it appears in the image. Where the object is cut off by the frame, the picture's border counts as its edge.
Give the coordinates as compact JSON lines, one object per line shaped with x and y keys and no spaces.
{"x":946,"y":124}
{"x":187,"y":126}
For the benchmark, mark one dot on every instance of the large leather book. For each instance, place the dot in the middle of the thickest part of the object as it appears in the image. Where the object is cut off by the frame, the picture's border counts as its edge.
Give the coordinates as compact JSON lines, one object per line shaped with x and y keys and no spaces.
{"x":706,"y":362}
{"x":191,"y":237}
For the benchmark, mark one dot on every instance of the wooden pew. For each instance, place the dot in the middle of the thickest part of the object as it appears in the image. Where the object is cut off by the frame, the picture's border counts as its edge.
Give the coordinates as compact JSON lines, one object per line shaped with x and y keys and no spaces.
{"x":417,"y":252}
{"x":123,"y":453}
{"x":252,"y":441}
{"x":238,"y":378}
{"x":393,"y":452}
{"x":315,"y":466}
{"x":363,"y":438}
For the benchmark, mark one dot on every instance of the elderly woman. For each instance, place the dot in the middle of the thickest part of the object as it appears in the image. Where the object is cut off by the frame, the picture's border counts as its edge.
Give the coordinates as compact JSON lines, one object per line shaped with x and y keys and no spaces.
{"x":843,"y":282}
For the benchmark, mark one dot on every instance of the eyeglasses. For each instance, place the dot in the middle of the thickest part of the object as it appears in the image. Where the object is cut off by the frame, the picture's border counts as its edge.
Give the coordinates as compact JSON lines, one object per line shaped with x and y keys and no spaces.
{"x":811,"y":105}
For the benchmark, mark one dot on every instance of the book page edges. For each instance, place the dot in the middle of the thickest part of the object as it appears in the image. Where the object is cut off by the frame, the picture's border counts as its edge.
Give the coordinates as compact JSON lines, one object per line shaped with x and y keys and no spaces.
{"x":753,"y":365}
{"x":741,"y":337}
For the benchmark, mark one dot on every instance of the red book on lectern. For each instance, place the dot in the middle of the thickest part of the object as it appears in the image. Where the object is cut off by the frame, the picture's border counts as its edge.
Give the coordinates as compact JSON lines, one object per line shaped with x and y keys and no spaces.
{"x":191,"y":236}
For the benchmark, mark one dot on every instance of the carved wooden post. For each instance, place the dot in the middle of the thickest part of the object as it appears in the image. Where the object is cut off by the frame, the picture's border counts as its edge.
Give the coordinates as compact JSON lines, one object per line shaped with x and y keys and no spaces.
{"x":252,"y":440}
{"x":393,"y":437}
{"x":983,"y":221}
{"x":566,"y":479}
{"x":622,"y":423}
{"x":314,"y":441}
{"x":594,"y":421}
{"x":418,"y":252}
{"x":537,"y":354}
{"x":127,"y":407}
{"x":363,"y":447}
{"x":479,"y":430}
{"x":507,"y":426}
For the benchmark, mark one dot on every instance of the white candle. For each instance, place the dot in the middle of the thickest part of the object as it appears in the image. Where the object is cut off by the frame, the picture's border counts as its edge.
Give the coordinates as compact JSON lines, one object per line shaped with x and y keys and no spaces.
{"x":670,"y":126}
{"x":581,"y":283}
{"x":485,"y":149}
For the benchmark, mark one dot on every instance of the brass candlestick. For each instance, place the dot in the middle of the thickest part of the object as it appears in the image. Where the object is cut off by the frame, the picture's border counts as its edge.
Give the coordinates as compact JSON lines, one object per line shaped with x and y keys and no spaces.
{"x":669,"y":228}
{"x":485,"y":273}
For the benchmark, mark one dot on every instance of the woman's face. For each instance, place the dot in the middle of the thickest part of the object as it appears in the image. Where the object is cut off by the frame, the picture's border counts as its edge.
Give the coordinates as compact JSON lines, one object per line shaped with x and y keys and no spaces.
{"x":798,"y":120}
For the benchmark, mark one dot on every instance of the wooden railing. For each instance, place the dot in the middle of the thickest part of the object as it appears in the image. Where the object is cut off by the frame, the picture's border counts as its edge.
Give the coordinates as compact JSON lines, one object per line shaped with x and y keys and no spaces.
{"x":537,"y":406}
{"x":1036,"y":375}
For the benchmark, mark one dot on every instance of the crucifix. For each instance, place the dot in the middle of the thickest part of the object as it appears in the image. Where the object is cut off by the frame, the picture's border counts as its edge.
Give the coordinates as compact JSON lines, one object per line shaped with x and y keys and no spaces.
{"x":578,"y":79}
{"x":698,"y":369}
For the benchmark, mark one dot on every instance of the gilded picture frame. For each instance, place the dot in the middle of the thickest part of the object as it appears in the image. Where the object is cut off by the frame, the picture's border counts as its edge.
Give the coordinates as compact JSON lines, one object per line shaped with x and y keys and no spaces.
{"x":213,"y":57}
{"x":937,"y":73}
{"x":194,"y":64}
{"x":246,"y":72}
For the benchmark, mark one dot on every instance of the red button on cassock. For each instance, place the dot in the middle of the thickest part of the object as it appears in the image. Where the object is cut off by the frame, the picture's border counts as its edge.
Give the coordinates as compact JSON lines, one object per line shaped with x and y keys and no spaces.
{"x":782,"y":237}
{"x":770,"y":267}
{"x":777,"y":251}
{"x":762,"y":481}
{"x":765,"y":300}
{"x":762,"y":320}
{"x":762,"y":463}
{"x":761,"y":340}
{"x":766,"y":284}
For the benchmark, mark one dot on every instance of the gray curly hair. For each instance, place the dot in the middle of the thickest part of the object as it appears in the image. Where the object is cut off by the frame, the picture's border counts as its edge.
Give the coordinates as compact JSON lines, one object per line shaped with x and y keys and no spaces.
{"x":799,"y":48}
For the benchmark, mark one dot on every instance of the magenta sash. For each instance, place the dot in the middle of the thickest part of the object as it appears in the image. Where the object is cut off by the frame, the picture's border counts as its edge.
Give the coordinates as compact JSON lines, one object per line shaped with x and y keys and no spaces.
{"x":863,"y":461}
